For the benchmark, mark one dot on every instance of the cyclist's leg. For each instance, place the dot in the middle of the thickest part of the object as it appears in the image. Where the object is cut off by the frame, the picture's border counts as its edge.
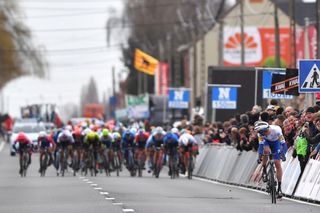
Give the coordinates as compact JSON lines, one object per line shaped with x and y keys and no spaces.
{"x":266,"y":152}
{"x":275,"y":149}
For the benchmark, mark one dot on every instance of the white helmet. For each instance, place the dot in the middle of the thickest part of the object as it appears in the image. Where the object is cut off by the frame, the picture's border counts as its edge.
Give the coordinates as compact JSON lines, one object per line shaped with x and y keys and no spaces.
{"x":68,"y":127}
{"x":261,"y":126}
{"x":175,"y":130}
{"x":42,"y":134}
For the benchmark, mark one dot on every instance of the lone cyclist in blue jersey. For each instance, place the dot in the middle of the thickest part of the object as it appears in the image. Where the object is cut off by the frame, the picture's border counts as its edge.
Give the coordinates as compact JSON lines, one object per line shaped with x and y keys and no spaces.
{"x":271,"y":140}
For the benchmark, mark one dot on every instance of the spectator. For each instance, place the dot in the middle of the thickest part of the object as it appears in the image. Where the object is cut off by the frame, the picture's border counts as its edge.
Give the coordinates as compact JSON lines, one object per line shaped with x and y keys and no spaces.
{"x":289,"y":132}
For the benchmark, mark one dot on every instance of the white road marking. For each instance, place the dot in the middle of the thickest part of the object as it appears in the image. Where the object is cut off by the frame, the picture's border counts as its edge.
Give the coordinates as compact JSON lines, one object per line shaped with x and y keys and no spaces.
{"x":98,"y":188}
{"x":118,"y":204}
{"x":89,"y":182}
{"x":104,"y":193}
{"x":110,"y":198}
{"x":253,"y":190}
{"x":127,"y":210}
{"x":85,"y":179}
{"x":81,"y":177}
{"x":2,"y":146}
{"x":94,"y":184}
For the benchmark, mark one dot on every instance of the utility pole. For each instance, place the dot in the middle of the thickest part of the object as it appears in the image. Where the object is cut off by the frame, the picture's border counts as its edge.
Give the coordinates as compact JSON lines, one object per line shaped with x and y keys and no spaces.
{"x":277,"y":34}
{"x":318,"y":28}
{"x":113,"y":82}
{"x":293,"y":43}
{"x":242,"y":33}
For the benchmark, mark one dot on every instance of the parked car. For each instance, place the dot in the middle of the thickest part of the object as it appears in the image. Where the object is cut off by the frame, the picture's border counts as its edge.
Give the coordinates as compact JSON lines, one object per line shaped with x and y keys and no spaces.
{"x":31,"y":129}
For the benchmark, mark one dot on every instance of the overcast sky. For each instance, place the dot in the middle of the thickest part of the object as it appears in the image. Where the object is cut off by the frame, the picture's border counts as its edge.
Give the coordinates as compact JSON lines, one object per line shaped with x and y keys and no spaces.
{"x":73,"y":34}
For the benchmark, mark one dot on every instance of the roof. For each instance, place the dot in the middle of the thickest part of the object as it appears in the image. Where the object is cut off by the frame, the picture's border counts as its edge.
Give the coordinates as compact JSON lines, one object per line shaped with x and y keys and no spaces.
{"x":302,"y":10}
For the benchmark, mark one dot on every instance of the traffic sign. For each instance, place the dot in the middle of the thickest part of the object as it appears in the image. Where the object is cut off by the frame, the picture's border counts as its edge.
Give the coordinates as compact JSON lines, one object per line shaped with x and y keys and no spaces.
{"x":179,"y":98}
{"x":266,"y":88}
{"x":309,"y":76}
{"x":224,"y":97}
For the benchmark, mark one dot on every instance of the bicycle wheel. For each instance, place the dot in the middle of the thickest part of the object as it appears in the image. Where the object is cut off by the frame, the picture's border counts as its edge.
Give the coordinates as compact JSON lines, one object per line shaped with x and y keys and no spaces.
{"x":190,"y":166}
{"x":272,"y":184}
{"x":25,"y":167}
{"x":44,"y":164}
{"x":116,"y":163}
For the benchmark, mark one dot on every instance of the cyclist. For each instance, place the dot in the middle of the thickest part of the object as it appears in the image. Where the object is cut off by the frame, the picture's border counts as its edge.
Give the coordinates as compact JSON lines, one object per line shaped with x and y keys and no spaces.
{"x":127,"y":144}
{"x":77,"y":145}
{"x":65,"y":140}
{"x":271,"y":140}
{"x":155,"y":141}
{"x":24,"y":142}
{"x":106,"y":144}
{"x":92,"y":141}
{"x":171,"y":143}
{"x":44,"y":142}
{"x":140,"y":144}
{"x":187,"y":143}
{"x":116,"y":147}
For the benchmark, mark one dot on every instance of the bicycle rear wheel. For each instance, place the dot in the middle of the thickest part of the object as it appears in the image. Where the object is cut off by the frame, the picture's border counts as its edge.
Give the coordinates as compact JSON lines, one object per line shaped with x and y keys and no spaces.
{"x":190,"y":167}
{"x":272,"y":185}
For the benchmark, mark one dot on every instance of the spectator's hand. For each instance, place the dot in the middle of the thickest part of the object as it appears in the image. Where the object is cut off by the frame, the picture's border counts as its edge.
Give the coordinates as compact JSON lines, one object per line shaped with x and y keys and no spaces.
{"x":283,"y":158}
{"x":294,"y":154}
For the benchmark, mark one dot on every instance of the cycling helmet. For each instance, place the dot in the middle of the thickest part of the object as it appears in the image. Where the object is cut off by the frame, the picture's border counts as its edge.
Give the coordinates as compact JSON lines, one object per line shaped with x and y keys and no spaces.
{"x":91,"y":135}
{"x":77,"y":132}
{"x":261,"y":126}
{"x":105,"y":132}
{"x":68,"y":127}
{"x":175,"y":130}
{"x":96,"y":127}
{"x":159,"y":130}
{"x":183,"y":131}
{"x":133,"y":131}
{"x":42,"y":134}
{"x":22,"y":137}
{"x":116,"y":136}
{"x":86,"y":131}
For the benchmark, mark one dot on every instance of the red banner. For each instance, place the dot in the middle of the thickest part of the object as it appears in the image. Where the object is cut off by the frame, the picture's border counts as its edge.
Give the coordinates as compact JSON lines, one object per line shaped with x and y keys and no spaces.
{"x":162,"y":79}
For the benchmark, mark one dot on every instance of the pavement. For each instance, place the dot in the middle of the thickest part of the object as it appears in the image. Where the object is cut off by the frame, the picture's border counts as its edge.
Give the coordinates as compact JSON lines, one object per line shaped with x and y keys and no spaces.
{"x":125,"y":194}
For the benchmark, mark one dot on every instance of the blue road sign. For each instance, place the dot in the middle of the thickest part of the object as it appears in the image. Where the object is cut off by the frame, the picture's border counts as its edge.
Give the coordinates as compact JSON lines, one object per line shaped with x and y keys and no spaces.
{"x":179,"y":98}
{"x":266,"y":88}
{"x":309,"y":76}
{"x":224,"y":98}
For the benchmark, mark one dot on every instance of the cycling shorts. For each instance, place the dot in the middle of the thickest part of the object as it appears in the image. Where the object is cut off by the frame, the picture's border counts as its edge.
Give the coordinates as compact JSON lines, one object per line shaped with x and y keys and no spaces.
{"x":275,"y":147}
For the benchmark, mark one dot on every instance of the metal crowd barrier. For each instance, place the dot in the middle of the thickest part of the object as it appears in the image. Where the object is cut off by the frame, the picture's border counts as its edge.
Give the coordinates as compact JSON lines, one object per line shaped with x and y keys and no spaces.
{"x":227,"y":165}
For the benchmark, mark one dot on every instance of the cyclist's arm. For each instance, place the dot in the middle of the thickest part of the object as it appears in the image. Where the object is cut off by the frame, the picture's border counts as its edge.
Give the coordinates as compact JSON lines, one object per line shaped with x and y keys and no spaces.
{"x":261,"y":144}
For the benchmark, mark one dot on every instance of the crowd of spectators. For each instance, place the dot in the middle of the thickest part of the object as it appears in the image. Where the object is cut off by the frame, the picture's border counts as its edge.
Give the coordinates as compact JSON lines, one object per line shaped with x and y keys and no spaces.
{"x":301,"y":129}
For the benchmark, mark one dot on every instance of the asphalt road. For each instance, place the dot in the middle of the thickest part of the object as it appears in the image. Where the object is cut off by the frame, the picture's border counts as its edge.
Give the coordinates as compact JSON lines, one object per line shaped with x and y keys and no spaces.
{"x":125,"y":194}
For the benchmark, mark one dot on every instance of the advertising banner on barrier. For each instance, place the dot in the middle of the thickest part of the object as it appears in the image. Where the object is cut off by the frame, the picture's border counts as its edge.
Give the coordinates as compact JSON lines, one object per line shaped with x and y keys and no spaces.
{"x":304,"y":187}
{"x":315,"y":193}
{"x":224,"y":98}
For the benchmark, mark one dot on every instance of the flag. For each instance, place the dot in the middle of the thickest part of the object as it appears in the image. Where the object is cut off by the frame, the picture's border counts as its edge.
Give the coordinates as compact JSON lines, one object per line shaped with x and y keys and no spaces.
{"x":145,"y":63}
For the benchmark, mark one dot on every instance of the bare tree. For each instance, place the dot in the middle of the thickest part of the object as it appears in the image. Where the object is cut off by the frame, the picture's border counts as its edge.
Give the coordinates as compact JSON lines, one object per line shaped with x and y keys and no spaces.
{"x":17,"y":55}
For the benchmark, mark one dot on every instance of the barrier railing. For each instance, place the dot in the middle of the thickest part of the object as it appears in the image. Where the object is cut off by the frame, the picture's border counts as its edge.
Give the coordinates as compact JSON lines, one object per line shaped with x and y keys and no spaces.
{"x":226,"y":164}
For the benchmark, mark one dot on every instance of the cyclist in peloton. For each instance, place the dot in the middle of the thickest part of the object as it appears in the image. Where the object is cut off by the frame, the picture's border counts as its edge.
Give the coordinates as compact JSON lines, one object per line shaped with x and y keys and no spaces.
{"x":171,"y":143}
{"x":127,"y":143}
{"x":154,"y":141}
{"x":116,"y":147}
{"x":140,"y":143}
{"x":92,"y":141}
{"x":77,"y":145}
{"x":64,"y":141}
{"x":271,"y":140}
{"x":106,"y":144}
{"x":24,"y":142}
{"x":186,"y":141}
{"x":44,"y":142}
